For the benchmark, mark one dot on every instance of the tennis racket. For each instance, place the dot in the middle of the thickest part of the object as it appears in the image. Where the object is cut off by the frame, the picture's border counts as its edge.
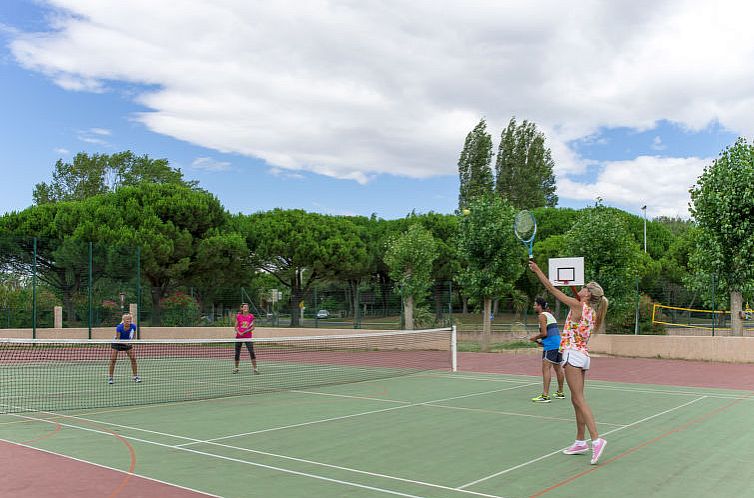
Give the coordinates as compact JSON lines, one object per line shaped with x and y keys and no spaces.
{"x":519,"y":331}
{"x":525,"y":228}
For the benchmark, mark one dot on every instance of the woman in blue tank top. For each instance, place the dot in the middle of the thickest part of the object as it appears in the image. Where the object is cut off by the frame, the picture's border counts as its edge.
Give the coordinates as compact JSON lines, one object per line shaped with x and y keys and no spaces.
{"x":549,"y":337}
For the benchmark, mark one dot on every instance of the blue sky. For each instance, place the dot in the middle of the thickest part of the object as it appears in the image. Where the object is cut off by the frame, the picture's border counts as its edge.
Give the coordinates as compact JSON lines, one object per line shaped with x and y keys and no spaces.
{"x":351,"y":109}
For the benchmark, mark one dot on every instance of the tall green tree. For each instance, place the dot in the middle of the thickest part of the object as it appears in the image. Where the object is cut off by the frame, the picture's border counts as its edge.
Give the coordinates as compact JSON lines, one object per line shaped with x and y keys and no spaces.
{"x":524,"y":167}
{"x":172,"y":225}
{"x":493,"y":258}
{"x":474,"y":166}
{"x":722,"y":204}
{"x":90,"y":175}
{"x":410,"y":257}
{"x":612,"y":258}
{"x":300,"y":248}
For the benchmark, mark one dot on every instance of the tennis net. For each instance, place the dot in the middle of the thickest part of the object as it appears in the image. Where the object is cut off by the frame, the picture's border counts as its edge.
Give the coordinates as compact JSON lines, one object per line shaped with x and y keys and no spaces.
{"x":59,"y":374}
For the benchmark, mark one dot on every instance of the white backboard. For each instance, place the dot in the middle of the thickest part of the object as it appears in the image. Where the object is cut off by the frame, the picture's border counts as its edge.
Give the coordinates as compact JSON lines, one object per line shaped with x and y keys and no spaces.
{"x":566,"y":271}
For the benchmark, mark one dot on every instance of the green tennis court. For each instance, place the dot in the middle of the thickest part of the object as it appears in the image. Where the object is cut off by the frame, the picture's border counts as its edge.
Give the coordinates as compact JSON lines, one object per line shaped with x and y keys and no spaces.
{"x":433,"y":434}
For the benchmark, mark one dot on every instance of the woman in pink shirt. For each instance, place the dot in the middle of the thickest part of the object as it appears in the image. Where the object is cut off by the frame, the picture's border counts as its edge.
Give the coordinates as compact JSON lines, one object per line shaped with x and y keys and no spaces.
{"x":586,"y":316}
{"x":245,"y":330}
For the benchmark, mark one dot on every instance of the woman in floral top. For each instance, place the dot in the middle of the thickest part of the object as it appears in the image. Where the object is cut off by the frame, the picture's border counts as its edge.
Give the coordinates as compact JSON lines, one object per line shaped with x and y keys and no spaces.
{"x":586,"y":316}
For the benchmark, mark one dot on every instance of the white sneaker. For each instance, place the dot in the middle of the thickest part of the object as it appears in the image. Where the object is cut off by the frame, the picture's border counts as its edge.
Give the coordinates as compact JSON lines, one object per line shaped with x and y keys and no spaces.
{"x":137,"y":378}
{"x":110,"y":380}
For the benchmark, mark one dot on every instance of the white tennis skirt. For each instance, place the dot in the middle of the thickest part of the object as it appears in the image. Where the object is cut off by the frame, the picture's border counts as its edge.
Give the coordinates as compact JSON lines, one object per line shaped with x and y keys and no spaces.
{"x":575,"y":359}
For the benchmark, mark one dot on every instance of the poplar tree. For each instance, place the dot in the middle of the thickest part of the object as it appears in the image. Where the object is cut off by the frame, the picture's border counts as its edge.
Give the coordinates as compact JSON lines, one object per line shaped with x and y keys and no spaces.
{"x":474,"y":165}
{"x":524,"y":167}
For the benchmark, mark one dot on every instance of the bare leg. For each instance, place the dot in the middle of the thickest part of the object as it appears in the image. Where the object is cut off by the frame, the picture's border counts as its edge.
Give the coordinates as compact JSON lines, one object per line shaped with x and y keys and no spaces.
{"x":584,"y":416}
{"x":546,"y":377}
{"x":113,"y":357}
{"x":559,"y":375}
{"x":132,"y":356}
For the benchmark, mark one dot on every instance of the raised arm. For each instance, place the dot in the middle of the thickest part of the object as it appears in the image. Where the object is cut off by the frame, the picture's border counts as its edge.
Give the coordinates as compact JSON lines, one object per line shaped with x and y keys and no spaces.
{"x":569,"y":301}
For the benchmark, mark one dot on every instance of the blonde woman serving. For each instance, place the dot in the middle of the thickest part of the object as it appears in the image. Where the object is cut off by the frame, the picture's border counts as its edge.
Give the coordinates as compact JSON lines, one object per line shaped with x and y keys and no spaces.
{"x":586,"y":316}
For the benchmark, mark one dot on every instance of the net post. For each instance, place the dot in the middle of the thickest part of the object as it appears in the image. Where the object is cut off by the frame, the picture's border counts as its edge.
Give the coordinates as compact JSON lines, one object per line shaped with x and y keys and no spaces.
{"x":453,"y":349}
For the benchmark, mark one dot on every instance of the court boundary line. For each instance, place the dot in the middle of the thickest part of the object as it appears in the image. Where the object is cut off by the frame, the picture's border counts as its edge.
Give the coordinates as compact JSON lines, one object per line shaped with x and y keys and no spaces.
{"x":120,"y":471}
{"x":515,"y":414}
{"x":556,"y":452}
{"x":607,"y":386}
{"x":257,"y":464}
{"x":481,"y":410}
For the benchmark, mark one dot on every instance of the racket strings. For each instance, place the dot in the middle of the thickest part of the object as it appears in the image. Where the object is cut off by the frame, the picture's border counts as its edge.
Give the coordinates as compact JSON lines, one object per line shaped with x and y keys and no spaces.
{"x":524,"y":225}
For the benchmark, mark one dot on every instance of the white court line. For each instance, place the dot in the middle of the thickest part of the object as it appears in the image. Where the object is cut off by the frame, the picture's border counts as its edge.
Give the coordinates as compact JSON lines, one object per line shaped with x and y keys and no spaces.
{"x":386,"y":400}
{"x":516,"y":414}
{"x":364,"y":413}
{"x":595,"y":384}
{"x":110,"y":468}
{"x":511,"y":469}
{"x":480,"y":410}
{"x":222,"y":457}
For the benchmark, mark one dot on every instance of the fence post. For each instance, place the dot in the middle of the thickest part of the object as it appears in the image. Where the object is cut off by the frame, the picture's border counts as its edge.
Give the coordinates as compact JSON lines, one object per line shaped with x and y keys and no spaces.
{"x":453,"y":348}
{"x":450,"y":302}
{"x":138,"y":292}
{"x":638,"y":299}
{"x":34,"y":293}
{"x":90,"y":290}
{"x":714,"y":315}
{"x":356,"y":312}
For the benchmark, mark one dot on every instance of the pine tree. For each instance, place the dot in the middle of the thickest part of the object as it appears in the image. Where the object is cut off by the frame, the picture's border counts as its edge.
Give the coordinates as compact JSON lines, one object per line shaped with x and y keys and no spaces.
{"x":474,"y":165}
{"x":524,"y":167}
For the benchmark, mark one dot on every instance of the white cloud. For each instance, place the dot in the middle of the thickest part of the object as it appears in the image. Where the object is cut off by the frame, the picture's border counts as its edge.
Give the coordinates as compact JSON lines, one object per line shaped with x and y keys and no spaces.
{"x":61,"y":151}
{"x":353,"y":89}
{"x":94,"y":136}
{"x":209,"y":164}
{"x":657,"y":144}
{"x":282,"y":173}
{"x":662,"y":183}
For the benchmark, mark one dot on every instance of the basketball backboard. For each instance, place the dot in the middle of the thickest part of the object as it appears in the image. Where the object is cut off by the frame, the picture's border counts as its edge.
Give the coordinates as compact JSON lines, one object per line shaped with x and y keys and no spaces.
{"x":566,"y":271}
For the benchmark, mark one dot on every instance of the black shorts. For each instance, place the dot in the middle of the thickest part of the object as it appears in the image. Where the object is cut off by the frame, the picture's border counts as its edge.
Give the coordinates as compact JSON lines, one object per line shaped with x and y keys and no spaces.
{"x":553,"y":356}
{"x":249,"y":346}
{"x":118,"y":346}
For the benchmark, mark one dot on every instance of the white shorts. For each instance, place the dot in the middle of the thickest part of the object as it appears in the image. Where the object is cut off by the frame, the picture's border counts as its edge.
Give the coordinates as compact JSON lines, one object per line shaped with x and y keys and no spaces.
{"x":575,"y":359}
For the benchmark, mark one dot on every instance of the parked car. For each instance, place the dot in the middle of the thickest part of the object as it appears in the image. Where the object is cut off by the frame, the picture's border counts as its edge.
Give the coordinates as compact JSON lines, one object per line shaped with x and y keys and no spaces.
{"x":323,"y":314}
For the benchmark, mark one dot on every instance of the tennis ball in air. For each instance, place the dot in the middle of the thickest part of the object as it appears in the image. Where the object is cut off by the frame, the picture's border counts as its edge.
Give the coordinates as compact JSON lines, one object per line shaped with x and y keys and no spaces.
{"x":466,"y":212}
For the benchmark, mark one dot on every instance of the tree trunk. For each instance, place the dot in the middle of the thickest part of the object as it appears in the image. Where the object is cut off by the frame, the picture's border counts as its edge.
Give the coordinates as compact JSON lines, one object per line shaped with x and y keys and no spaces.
{"x":156,"y":320}
{"x":408,"y":312}
{"x":736,"y":307}
{"x":465,"y":302}
{"x":486,"y":324}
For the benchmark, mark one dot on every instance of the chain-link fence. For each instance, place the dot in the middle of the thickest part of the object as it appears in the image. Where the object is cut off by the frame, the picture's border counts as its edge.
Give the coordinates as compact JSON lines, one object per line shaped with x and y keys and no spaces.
{"x":92,"y":285}
{"x":68,"y":284}
{"x":699,"y":305}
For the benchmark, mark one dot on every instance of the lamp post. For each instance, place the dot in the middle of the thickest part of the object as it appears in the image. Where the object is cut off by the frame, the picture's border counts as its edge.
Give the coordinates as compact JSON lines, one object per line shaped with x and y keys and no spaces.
{"x":638,"y":296}
{"x":644,"y":210}
{"x":122,"y":296}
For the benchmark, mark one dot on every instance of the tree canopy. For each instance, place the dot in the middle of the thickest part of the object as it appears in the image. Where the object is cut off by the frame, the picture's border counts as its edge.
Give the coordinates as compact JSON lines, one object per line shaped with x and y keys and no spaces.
{"x":90,"y":175}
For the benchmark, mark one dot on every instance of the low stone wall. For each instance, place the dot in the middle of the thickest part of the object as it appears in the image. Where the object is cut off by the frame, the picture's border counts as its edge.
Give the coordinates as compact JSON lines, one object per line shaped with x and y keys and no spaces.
{"x":724,"y":349}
